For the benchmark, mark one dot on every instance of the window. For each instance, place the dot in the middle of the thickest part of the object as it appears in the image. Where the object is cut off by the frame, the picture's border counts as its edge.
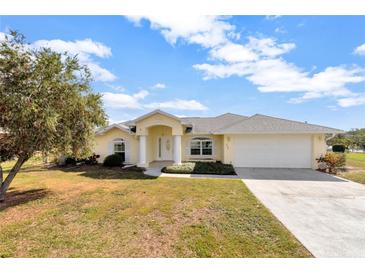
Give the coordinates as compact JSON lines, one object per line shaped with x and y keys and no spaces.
{"x":201,"y":147}
{"x":119,"y":146}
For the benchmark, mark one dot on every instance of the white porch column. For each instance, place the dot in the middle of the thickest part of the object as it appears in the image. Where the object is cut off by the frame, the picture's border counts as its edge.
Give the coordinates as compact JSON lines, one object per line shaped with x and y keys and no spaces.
{"x":142,"y":151}
{"x":177,"y":149}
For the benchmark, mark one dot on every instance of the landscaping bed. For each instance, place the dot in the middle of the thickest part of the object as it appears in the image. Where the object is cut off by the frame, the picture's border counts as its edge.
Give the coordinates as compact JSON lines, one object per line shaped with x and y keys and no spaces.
{"x":216,"y":168}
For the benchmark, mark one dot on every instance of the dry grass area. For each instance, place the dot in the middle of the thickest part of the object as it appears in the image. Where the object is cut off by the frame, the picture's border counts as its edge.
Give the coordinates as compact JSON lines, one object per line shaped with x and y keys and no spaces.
{"x":99,"y":212}
{"x":355,"y":167}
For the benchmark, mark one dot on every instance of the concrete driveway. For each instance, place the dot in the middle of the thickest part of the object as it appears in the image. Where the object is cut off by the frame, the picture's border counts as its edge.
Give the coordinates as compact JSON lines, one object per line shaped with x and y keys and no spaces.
{"x":325,"y":213}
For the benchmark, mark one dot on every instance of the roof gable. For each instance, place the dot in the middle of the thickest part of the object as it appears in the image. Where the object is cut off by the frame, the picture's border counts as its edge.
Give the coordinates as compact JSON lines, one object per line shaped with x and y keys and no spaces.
{"x":157,"y":111}
{"x":122,"y":127}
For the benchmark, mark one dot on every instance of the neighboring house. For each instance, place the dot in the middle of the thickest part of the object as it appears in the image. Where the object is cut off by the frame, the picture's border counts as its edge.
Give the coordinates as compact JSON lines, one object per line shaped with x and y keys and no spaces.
{"x":255,"y":141}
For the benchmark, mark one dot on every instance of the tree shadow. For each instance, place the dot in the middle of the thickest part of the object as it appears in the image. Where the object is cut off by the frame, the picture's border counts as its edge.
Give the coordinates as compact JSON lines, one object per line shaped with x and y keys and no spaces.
{"x":35,"y":168}
{"x":103,"y":173}
{"x":16,"y":197}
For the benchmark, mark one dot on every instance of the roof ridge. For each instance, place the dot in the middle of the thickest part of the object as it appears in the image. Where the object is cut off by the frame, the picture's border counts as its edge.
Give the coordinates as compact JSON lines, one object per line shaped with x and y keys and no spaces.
{"x":231,"y":113}
{"x":288,"y":120}
{"x":235,"y":122}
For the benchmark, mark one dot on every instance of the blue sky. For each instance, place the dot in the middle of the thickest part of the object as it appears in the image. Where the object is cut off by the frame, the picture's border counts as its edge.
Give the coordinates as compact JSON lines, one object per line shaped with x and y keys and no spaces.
{"x":305,"y":68}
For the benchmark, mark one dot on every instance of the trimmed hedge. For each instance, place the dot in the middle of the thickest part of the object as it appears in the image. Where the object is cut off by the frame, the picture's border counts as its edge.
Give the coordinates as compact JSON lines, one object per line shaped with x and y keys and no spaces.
{"x":113,"y":160}
{"x":338,"y":148}
{"x":216,"y":168}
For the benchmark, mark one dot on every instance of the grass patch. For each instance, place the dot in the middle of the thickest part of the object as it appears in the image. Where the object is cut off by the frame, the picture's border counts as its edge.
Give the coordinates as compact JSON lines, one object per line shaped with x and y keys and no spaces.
{"x":100,"y":212}
{"x":356,"y":176}
{"x":355,"y":163}
{"x":217,"y":168}
{"x":356,"y":160}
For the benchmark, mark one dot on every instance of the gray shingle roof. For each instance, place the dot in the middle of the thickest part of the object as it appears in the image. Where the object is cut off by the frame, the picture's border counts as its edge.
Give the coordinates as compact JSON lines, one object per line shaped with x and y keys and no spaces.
{"x":230,"y":123}
{"x":266,"y":124}
{"x":203,"y":125}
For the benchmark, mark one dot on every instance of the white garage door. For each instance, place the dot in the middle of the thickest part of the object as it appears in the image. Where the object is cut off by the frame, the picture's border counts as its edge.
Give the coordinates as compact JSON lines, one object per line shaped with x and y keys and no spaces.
{"x":286,"y":151}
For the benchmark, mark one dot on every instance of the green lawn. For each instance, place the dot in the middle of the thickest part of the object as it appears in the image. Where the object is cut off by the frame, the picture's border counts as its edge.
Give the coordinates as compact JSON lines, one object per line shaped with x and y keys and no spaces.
{"x":100,"y":212}
{"x":356,"y":164}
{"x":356,"y":160}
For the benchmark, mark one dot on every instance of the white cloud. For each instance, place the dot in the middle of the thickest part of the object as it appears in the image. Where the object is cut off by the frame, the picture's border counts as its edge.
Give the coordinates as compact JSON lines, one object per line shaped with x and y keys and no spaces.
{"x":116,"y":87}
{"x":268,"y":47}
{"x":333,"y":108}
{"x":280,"y":30}
{"x":135,"y":101}
{"x":99,"y":73}
{"x":260,"y":60}
{"x":85,"y":50}
{"x":159,"y":86}
{"x":122,"y":100}
{"x":233,"y":53}
{"x":272,"y":17}
{"x":352,"y":101}
{"x":360,"y":50}
{"x":178,"y":104}
{"x":207,"y":31}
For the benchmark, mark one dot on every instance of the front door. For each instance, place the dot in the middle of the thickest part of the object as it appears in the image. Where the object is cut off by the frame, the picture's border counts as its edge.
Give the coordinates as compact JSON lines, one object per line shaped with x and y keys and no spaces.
{"x":164,"y":148}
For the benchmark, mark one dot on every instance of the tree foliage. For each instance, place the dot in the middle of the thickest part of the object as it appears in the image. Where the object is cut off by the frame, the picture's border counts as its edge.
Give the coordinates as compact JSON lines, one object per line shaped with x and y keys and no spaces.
{"x":46,"y":104}
{"x":354,"y":138}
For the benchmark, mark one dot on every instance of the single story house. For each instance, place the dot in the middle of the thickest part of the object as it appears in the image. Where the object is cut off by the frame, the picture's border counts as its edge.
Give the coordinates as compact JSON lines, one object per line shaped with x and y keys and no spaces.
{"x":255,"y":141}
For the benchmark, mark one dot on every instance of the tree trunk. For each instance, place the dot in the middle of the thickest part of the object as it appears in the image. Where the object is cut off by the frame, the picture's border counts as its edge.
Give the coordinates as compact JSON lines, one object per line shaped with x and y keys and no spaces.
{"x":6,"y":183}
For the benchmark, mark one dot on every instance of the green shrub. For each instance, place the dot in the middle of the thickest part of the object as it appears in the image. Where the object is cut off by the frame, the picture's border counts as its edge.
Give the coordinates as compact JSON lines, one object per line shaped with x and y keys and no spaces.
{"x":70,"y":161}
{"x":338,"y":148}
{"x":113,"y":160}
{"x":201,"y":168}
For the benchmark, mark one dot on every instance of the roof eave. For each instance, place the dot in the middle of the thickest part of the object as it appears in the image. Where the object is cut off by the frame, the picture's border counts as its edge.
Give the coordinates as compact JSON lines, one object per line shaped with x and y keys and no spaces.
{"x":106,"y":129}
{"x":280,"y":132}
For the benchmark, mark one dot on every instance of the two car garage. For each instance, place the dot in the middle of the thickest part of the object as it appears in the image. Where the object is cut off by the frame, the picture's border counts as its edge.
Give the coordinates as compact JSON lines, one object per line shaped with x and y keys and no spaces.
{"x":272,"y":150}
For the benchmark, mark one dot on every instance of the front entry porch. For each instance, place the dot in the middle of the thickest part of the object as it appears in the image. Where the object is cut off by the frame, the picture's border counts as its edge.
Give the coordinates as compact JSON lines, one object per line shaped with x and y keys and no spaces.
{"x":158,"y":146}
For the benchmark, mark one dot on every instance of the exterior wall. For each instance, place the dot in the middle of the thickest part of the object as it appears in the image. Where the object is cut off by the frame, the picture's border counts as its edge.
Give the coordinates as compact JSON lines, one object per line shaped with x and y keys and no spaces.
{"x":228,"y":149}
{"x":319,"y":148}
{"x":104,"y":144}
{"x":158,"y":119}
{"x":217,"y":146}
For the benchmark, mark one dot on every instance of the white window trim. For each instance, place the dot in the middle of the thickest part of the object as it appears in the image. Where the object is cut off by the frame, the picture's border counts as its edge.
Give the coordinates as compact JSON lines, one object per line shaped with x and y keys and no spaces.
{"x":119,"y":141}
{"x":201,"y":156}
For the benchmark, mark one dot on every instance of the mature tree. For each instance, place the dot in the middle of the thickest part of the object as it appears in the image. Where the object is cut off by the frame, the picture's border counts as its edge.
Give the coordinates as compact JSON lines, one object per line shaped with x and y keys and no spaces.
{"x":355,"y":138}
{"x":46,"y":104}
{"x":340,"y":139}
{"x":358,"y":137}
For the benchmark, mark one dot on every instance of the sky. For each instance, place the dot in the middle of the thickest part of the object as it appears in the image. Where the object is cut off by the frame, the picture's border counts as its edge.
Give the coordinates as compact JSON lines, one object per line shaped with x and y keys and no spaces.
{"x":304,"y":68}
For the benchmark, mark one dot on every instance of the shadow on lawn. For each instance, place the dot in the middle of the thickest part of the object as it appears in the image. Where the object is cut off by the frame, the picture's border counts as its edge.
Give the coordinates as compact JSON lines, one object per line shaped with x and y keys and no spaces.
{"x":35,"y":168}
{"x":15,"y":197}
{"x":101,"y":172}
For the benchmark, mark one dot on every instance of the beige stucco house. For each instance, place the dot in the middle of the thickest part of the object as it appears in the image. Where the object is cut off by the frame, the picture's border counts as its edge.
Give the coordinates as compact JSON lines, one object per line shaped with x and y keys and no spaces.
{"x":255,"y":141}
